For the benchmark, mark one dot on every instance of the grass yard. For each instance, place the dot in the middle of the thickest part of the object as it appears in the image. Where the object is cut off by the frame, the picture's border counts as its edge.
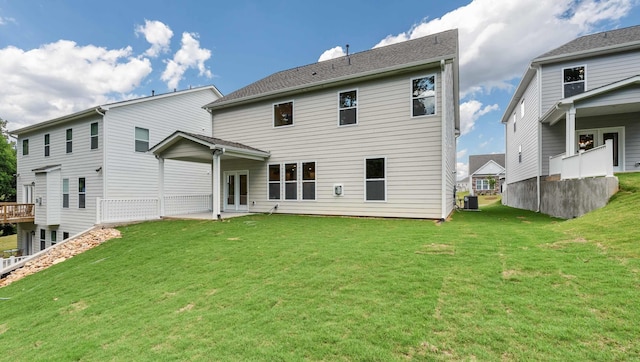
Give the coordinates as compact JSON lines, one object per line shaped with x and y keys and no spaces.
{"x":500,"y":284}
{"x":8,"y":242}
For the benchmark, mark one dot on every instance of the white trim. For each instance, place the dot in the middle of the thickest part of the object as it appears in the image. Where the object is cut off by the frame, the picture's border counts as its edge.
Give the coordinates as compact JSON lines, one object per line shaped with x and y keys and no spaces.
{"x":285,"y":182}
{"x":562,"y":83}
{"x":315,"y":181}
{"x":354,"y":107}
{"x":236,"y":197}
{"x":385,"y":179}
{"x":269,"y":182}
{"x":135,"y":139}
{"x":599,"y":141}
{"x":435,"y":95}
{"x":273,"y":114}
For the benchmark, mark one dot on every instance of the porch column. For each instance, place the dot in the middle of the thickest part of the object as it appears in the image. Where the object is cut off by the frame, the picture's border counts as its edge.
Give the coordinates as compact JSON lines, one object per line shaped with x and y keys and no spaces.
{"x":571,"y":132}
{"x":215,"y":184}
{"x":161,"y":184}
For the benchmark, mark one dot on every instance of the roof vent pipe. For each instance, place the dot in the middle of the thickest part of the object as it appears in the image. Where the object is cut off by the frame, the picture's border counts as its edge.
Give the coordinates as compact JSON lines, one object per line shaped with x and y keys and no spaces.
{"x":347,"y":49}
{"x":153,"y":93}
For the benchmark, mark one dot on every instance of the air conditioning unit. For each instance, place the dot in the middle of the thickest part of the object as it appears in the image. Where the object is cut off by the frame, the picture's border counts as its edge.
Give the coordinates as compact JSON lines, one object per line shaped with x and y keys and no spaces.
{"x":338,"y":190}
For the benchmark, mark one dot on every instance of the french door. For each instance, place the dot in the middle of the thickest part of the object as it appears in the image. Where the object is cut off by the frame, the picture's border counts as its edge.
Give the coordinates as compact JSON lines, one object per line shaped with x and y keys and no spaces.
{"x":590,"y":138}
{"x":236,"y":190}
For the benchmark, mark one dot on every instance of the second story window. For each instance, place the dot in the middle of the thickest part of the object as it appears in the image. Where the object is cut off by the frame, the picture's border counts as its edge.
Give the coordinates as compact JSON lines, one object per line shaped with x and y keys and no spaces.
{"x":46,"y":145}
{"x":348,"y":107}
{"x":573,"y":81}
{"x":142,"y":139}
{"x":94,"y":136}
{"x":423,"y":96}
{"x":283,"y":114}
{"x":25,"y":147}
{"x":69,"y":140}
{"x":514,"y":122}
{"x":65,"y":193}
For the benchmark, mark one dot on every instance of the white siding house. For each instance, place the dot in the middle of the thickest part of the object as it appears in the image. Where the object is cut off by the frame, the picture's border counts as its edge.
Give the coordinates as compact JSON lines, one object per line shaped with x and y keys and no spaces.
{"x":78,"y":167}
{"x":367,"y":134}
{"x":570,"y":103}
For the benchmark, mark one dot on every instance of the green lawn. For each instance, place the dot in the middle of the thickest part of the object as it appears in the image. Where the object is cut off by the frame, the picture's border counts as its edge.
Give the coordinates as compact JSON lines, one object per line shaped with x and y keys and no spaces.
{"x":8,"y":242}
{"x":499,"y":284}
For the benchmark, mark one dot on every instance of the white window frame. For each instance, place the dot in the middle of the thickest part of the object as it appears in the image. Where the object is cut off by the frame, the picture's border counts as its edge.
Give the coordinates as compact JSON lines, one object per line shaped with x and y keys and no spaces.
{"x":583,"y":81}
{"x":303,"y":181}
{"x":82,"y":201}
{"x":68,"y":136}
{"x":136,"y":139}
{"x":273,"y":114}
{"x":47,"y":144}
{"x":25,"y":145}
{"x":522,"y":108}
{"x":340,"y":108}
{"x":514,"y":122}
{"x":435,"y":95}
{"x":279,"y":182}
{"x":385,"y":179}
{"x":483,"y":182}
{"x":289,"y":182}
{"x":65,"y":182}
{"x":54,"y":237}
{"x":94,"y":136}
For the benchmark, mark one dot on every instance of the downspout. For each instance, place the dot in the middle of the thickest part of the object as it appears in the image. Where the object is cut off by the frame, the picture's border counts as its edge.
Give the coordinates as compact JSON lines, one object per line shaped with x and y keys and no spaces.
{"x":104,"y":152}
{"x":539,"y":126}
{"x":443,"y":125}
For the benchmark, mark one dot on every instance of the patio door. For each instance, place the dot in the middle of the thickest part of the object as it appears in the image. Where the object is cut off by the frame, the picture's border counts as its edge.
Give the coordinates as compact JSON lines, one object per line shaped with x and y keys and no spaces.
{"x":590,"y":138}
{"x":236,"y":190}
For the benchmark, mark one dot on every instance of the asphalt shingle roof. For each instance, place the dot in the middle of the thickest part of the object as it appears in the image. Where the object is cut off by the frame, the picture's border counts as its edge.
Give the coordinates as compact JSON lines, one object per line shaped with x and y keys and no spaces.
{"x":477,"y":161}
{"x":596,"y":41}
{"x":427,"y":48}
{"x":221,"y":142}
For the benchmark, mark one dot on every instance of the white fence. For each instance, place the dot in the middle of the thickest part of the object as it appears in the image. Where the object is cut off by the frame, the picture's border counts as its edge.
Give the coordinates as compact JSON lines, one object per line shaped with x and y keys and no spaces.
{"x":5,"y":263}
{"x":595,"y":162}
{"x":140,"y":209}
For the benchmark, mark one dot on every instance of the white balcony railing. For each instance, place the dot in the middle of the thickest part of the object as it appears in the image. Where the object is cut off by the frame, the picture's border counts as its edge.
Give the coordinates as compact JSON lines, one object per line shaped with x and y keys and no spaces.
{"x":595,"y":162}
{"x":140,"y":209}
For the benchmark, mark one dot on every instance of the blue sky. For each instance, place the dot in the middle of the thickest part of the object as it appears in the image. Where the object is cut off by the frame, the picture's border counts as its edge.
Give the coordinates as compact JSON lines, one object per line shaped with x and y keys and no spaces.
{"x":58,"y":57}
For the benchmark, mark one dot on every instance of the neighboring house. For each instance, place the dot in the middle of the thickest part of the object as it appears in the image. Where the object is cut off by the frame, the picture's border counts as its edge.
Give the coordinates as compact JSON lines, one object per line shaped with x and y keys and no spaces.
{"x":484,"y":168}
{"x":367,"y":134}
{"x":569,"y":103}
{"x":462,"y":185}
{"x":80,"y":167}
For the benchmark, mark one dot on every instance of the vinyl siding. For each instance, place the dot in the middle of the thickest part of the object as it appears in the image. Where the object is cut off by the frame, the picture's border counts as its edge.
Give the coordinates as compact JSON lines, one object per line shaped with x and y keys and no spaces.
{"x":132,"y":174}
{"x":412,"y":148}
{"x":553,"y":142}
{"x":525,"y":136}
{"x":600,"y":71}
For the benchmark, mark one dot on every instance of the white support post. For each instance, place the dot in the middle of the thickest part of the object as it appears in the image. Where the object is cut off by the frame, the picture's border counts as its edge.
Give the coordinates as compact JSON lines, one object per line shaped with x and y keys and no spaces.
{"x":571,"y":132}
{"x":215,"y":184}
{"x":609,"y":164}
{"x":161,"y":185}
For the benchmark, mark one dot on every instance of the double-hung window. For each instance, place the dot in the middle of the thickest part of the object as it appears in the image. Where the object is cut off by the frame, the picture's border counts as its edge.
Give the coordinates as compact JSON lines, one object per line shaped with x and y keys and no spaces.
{"x":423,"y":96}
{"x":82,"y":192}
{"x":43,"y":239}
{"x":46,"y":145}
{"x":308,"y":180}
{"x":69,"y":140}
{"x":25,"y":147}
{"x":65,"y":193}
{"x":482,"y":184}
{"x":274,"y":182}
{"x":94,"y":135}
{"x":283,"y":114}
{"x":375,"y":179}
{"x":290,"y":181}
{"x":142,"y":139}
{"x":348,"y":107}
{"x":573,"y":81}
{"x":54,"y":237}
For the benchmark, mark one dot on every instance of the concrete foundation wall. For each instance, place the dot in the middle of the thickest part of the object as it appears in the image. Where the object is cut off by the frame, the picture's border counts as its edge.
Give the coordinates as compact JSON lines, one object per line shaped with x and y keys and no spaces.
{"x":564,"y":199}
{"x":567,"y":199}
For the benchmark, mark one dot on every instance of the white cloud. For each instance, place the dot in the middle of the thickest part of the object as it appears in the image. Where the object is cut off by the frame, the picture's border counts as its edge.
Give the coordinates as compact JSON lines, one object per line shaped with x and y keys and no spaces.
{"x":462,"y":170}
{"x":470,"y":111}
{"x":460,"y":154}
{"x":189,"y":56}
{"x":63,"y":77}
{"x":5,"y":20}
{"x":332,"y":53}
{"x":157,"y":34}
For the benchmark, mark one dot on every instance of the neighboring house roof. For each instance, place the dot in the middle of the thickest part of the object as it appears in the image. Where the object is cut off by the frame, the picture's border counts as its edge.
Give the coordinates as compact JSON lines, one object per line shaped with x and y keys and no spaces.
{"x":478,"y":161}
{"x":490,"y":168}
{"x":368,"y":64}
{"x":105,"y":107}
{"x":607,"y":42}
{"x":463,"y":181}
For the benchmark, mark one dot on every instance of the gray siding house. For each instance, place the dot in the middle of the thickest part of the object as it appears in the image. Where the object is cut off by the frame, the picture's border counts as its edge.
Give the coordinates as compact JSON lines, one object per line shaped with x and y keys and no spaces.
{"x":574,"y":115}
{"x":87,"y":167}
{"x":367,"y":134}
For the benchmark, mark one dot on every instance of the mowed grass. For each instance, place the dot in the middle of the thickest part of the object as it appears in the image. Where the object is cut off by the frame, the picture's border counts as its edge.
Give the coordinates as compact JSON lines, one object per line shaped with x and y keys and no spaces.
{"x":8,"y":242}
{"x":499,"y":284}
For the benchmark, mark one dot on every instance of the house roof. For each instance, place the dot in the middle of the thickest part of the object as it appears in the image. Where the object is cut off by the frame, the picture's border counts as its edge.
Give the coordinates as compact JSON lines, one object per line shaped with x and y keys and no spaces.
{"x":607,"y":42}
{"x":100,"y":109}
{"x":372,"y":63}
{"x":478,"y":161}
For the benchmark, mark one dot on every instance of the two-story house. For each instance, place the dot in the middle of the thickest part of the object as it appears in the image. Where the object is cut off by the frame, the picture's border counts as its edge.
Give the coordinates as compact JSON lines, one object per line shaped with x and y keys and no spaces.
{"x":95,"y":162}
{"x":367,"y":134}
{"x":570,"y":103}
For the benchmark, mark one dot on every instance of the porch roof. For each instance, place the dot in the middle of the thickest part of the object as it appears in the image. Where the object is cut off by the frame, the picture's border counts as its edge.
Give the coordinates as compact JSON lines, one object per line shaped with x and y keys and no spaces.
{"x":186,"y":146}
{"x":585,"y":109}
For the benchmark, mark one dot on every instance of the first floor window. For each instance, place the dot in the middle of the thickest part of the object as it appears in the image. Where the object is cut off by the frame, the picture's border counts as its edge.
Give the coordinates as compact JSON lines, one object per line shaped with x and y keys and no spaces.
{"x":43,"y":239}
{"x":94,"y":135}
{"x":25,"y":147}
{"x":46,"y":145}
{"x":482,"y":184}
{"x":283,"y":114}
{"x":65,"y":192}
{"x":54,"y":237}
{"x":274,"y":182}
{"x":82,"y":193}
{"x":142,"y":139}
{"x":65,"y":235}
{"x":291,"y":181}
{"x":69,"y":140}
{"x":308,"y":180}
{"x":423,"y":96}
{"x":375,"y":179}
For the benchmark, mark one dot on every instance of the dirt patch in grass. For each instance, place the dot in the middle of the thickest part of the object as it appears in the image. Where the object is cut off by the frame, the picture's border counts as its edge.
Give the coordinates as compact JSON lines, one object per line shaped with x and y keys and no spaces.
{"x":436,"y":249}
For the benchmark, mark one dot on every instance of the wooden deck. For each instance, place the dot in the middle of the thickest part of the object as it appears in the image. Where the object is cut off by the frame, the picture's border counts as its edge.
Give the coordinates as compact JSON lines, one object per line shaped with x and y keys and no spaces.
{"x":11,"y":212}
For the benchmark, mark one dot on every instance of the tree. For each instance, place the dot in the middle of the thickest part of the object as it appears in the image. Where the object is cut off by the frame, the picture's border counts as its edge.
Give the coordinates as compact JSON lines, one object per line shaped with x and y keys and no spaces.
{"x":492,"y":184}
{"x":7,"y":165}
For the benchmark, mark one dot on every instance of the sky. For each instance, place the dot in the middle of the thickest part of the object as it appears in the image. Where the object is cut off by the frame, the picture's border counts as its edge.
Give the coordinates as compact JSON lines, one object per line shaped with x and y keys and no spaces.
{"x":62,"y":56}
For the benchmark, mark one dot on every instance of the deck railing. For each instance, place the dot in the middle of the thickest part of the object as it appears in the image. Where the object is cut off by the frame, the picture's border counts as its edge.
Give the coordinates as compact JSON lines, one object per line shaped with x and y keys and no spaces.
{"x":595,"y":162}
{"x":11,"y":212}
{"x":140,"y":209}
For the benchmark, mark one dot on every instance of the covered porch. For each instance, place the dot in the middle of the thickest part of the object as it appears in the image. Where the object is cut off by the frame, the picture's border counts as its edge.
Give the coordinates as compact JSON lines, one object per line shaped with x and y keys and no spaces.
{"x":190,"y":147}
{"x":600,"y":129}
